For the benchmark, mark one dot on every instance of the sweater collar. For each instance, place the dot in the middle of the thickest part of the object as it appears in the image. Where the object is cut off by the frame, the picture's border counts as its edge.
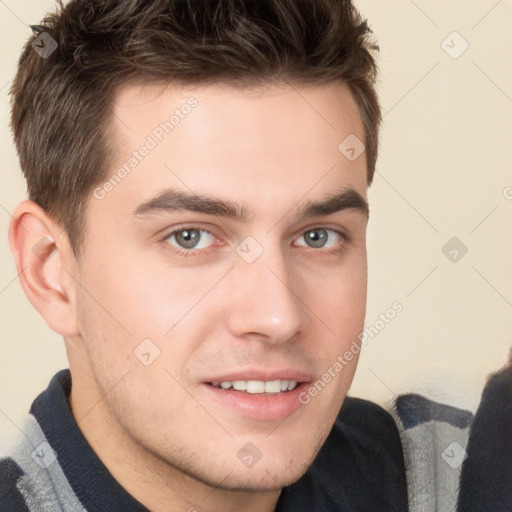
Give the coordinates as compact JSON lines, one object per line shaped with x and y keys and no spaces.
{"x":89,"y":478}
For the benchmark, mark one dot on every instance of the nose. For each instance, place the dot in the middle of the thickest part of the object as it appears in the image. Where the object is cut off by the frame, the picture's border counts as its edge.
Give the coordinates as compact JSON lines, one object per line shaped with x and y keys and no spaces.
{"x":265,"y":302}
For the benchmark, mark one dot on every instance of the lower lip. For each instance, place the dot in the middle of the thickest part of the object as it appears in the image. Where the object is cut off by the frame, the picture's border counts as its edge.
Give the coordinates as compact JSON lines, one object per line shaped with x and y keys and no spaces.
{"x":258,"y":406}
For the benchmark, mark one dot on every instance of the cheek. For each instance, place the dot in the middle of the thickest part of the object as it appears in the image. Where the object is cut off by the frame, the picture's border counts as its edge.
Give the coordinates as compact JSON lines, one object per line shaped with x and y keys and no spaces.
{"x":144,"y":297}
{"x":341,"y":306}
{"x":137,"y":337}
{"x":338,"y":299}
{"x":130,"y":302}
{"x":339,"y":296}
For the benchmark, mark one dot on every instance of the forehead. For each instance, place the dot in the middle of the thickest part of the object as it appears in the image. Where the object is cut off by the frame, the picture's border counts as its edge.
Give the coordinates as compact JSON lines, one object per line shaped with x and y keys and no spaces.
{"x":263,"y":146}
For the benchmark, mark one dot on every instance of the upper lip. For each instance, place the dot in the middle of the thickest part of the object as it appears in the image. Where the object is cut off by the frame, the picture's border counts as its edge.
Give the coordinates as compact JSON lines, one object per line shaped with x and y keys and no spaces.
{"x":263,"y":374}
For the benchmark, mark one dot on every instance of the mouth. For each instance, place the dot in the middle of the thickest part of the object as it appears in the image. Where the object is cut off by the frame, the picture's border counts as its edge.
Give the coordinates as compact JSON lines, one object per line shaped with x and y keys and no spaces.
{"x":257,"y":387}
{"x":264,"y":400}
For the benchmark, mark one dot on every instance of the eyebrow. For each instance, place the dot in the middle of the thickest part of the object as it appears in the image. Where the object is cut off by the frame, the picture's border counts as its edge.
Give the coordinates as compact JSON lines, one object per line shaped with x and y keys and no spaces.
{"x":173,"y":199}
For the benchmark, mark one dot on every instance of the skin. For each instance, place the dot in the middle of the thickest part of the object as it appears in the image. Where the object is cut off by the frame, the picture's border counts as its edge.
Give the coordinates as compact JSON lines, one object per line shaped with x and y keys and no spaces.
{"x":271,"y":149}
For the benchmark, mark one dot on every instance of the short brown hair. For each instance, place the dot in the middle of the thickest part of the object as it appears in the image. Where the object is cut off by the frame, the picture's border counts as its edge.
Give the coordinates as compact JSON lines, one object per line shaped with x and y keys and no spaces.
{"x":61,"y":103}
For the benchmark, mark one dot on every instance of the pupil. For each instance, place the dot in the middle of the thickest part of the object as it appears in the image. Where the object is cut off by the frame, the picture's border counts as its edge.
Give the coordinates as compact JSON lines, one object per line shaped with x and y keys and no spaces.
{"x":316,"y":238}
{"x":188,"y":238}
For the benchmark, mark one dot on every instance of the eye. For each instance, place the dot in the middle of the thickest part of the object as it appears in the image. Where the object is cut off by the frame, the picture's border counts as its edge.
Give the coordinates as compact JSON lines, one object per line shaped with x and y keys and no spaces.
{"x":190,"y":238}
{"x":320,"y":238}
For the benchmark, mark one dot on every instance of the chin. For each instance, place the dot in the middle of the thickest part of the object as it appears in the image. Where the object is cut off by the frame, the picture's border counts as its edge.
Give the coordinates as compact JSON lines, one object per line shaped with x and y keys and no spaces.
{"x":264,"y":479}
{"x":230,"y":473}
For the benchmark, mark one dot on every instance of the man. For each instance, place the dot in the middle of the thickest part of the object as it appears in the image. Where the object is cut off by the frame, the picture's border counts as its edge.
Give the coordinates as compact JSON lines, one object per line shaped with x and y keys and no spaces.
{"x":195,"y":230}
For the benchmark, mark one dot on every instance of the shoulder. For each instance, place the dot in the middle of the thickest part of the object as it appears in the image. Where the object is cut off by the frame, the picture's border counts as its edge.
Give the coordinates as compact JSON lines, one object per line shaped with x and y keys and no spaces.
{"x":369,"y":437}
{"x":11,"y":499}
{"x":359,"y":467}
{"x":368,"y":424}
{"x":31,"y":477}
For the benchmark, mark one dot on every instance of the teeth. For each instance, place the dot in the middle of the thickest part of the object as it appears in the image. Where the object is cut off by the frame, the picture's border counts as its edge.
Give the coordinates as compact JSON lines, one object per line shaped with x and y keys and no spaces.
{"x":255,"y":386}
{"x":274,"y":386}
{"x":259,"y":386}
{"x":240,"y":385}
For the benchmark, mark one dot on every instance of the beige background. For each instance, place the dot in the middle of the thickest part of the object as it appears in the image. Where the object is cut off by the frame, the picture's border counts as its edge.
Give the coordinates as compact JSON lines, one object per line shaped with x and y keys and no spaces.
{"x":443,"y":172}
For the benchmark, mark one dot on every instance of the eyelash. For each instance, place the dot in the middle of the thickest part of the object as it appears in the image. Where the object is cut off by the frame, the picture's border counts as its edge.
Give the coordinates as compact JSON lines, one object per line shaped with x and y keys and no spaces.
{"x":345,"y":238}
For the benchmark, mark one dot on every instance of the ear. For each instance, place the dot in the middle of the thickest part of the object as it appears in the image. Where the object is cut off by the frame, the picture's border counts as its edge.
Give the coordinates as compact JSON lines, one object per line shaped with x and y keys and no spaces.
{"x":45,"y":264}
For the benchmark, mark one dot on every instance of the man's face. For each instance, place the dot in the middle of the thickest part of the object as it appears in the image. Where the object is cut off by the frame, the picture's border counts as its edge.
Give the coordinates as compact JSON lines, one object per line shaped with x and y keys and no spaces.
{"x":267,"y":289}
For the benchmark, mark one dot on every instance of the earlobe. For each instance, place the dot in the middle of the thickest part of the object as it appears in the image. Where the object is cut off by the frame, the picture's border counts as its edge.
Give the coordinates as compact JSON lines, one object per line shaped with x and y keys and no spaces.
{"x":40,"y":250}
